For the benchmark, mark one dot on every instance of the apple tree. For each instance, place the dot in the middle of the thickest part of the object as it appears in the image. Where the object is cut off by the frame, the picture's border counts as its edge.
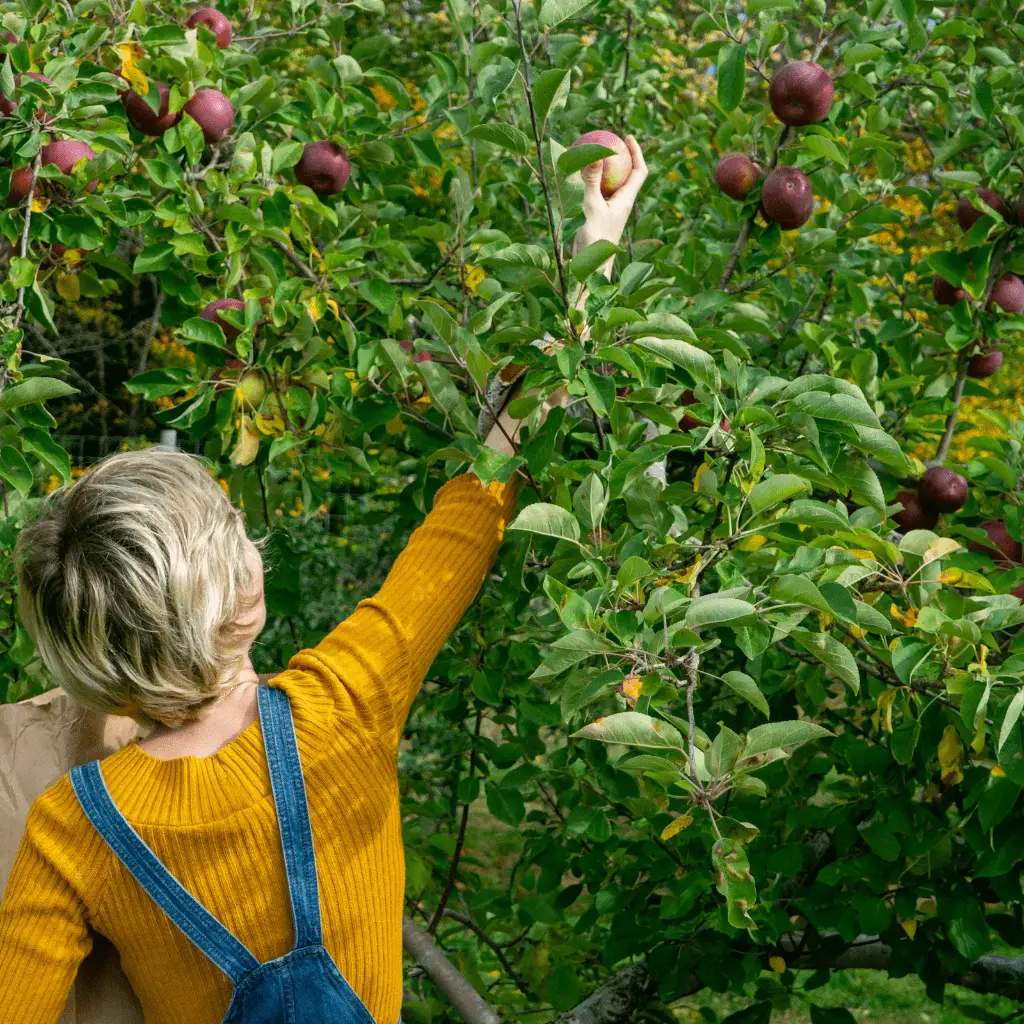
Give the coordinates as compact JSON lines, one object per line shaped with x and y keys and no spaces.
{"x":741,"y":704}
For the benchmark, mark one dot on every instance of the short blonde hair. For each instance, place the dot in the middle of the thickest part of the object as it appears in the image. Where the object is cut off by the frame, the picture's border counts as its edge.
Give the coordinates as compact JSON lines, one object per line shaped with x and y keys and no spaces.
{"x":131,"y":581}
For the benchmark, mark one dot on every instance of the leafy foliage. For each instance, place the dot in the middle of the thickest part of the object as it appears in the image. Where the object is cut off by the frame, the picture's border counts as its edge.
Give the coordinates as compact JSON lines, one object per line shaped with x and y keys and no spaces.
{"x":714,"y":698}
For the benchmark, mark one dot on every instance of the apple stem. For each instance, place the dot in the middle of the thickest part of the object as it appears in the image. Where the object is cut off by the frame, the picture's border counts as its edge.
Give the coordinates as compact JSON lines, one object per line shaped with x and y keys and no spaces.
{"x":942,"y":452}
{"x":517,"y":7}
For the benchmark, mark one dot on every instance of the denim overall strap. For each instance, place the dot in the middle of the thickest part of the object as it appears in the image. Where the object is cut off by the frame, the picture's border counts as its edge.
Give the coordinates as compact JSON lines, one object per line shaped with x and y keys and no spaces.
{"x":292,"y":814}
{"x":197,"y":923}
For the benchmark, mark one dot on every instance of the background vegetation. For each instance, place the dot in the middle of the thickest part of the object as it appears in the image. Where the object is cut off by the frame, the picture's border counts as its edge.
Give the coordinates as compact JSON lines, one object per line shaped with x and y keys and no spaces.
{"x":716,"y":728}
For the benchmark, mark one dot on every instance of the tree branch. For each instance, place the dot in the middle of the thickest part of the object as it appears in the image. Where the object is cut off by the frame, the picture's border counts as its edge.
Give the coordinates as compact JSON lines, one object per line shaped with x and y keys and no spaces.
{"x":458,"y":991}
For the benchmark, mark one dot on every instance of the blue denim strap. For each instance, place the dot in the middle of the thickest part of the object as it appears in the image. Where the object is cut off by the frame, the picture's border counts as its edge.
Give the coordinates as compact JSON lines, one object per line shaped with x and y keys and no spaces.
{"x":292,"y":814}
{"x":197,"y":923}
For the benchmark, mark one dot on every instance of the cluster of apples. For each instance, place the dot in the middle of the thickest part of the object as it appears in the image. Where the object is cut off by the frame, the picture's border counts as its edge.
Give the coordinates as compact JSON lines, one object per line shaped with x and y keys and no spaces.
{"x":324,"y":166}
{"x":1007,"y":292}
{"x":800,"y":94}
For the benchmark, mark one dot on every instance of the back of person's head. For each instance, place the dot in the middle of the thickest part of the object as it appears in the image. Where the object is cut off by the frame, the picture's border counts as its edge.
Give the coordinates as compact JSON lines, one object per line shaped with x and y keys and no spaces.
{"x":131,"y":584}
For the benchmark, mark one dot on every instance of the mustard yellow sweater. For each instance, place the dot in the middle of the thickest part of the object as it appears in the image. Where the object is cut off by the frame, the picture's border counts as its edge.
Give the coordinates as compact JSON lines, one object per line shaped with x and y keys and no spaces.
{"x":211,"y":820}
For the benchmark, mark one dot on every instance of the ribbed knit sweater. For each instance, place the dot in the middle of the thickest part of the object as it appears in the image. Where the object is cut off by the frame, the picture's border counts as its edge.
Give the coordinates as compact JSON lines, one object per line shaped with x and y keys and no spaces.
{"x":211,"y":820}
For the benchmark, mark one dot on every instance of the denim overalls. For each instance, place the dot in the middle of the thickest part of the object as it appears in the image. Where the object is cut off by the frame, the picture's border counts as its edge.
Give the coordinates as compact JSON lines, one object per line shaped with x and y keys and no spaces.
{"x":305,"y":985}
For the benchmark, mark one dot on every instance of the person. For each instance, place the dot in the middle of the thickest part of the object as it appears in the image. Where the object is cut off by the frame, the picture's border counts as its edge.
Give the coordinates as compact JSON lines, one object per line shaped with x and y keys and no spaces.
{"x":244,"y":857}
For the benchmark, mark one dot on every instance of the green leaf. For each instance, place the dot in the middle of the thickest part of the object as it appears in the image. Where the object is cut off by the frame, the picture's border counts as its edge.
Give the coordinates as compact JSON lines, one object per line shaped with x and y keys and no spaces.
{"x":716,"y":611}
{"x":286,"y":154}
{"x":158,"y":256}
{"x":522,"y":254}
{"x":832,"y":654}
{"x":506,"y":805}
{"x":904,"y":10}
{"x":14,"y":469}
{"x":546,"y":520}
{"x":38,"y":442}
{"x":505,"y":136}
{"x":548,"y":91}
{"x":494,"y":79}
{"x":799,"y":589}
{"x":837,"y":408}
{"x":633,"y":730}
{"x":732,"y":71}
{"x":908,"y":656}
{"x":22,"y":272}
{"x":700,"y":364}
{"x":589,"y":502}
{"x":379,"y":294}
{"x":860,"y":52}
{"x":743,"y":686}
{"x":776,"y":488}
{"x":553,"y":12}
{"x":965,"y":926}
{"x":1011,"y":719}
{"x":192,"y":136}
{"x":808,"y":512}
{"x":569,"y":650}
{"x":585,"y":262}
{"x":160,"y":383}
{"x":820,"y":146}
{"x":781,"y":736}
{"x":575,"y":158}
{"x":819,"y":1015}
{"x":34,"y":389}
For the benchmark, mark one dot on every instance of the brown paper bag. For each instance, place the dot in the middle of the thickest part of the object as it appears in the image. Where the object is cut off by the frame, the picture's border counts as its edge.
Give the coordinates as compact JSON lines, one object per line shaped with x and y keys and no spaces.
{"x":40,"y":740}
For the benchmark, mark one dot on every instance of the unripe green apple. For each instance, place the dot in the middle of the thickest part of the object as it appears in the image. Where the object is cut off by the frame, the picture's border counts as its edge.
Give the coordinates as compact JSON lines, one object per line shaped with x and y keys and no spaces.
{"x":252,"y":387}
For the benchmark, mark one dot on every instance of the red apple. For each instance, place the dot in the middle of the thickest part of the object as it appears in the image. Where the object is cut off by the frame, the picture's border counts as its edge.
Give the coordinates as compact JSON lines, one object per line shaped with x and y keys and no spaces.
{"x":786,"y":198}
{"x":736,"y":174}
{"x":614,"y":169}
{"x":216,"y":22}
{"x":213,"y":112}
{"x":21,"y":179}
{"x":914,"y":516}
{"x":65,"y":153}
{"x":1002,"y":544}
{"x":984,"y":364}
{"x":423,"y":357}
{"x":8,"y":106}
{"x":324,"y":167}
{"x":942,"y":490}
{"x":801,"y":93}
{"x":944,"y":292}
{"x":966,"y":214}
{"x":211,"y":312}
{"x":1008,"y":294}
{"x":141,"y":116}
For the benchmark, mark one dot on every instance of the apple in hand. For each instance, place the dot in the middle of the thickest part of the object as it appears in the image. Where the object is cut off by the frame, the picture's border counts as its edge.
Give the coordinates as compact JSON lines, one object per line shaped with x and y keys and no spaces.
{"x":615,"y":169}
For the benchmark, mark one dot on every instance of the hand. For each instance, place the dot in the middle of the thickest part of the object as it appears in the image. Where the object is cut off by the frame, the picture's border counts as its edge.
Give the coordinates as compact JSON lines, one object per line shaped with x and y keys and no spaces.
{"x":557,"y":399}
{"x":606,"y":218}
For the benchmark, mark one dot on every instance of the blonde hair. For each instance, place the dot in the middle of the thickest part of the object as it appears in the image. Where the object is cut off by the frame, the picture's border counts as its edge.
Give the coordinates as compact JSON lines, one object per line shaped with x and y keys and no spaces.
{"x":131,"y":582}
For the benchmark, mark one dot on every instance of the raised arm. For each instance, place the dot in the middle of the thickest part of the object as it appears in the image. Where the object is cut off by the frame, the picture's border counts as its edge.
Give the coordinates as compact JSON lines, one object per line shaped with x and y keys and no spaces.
{"x":377,"y":658}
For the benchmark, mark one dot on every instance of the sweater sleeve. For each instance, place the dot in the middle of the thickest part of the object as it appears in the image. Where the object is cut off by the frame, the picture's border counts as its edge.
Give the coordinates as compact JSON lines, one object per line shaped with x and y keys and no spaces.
{"x":44,"y":930}
{"x":376,"y":659}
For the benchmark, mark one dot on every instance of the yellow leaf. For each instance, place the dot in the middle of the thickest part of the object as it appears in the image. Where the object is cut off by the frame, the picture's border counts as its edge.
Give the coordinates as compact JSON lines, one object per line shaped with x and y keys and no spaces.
{"x":909,"y":925}
{"x":270,"y":424}
{"x":696,"y":478}
{"x":133,"y":74}
{"x":631,"y":687}
{"x":752,"y":543}
{"x":978,"y":743}
{"x":396,"y":425}
{"x":333,"y":307}
{"x":676,"y":825}
{"x":824,"y":621}
{"x":777,"y":964}
{"x":313,"y":307}
{"x":951,"y":753}
{"x":858,"y":632}
{"x":886,"y":699}
{"x":862,"y":553}
{"x":687,"y":574}
{"x":474,"y":275}
{"x":39,"y":204}
{"x":908,"y":618}
{"x":247,"y":446}
{"x":983,"y":657}
{"x":68,"y":287}
{"x":997,"y":772}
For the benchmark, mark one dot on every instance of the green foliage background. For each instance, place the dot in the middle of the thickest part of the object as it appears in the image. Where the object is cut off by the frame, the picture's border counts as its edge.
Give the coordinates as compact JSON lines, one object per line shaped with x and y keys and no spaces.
{"x":747,"y":643}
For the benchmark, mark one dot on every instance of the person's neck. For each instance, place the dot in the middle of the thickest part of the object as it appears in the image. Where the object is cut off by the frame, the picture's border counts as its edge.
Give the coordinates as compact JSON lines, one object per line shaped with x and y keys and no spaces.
{"x":220,"y":724}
